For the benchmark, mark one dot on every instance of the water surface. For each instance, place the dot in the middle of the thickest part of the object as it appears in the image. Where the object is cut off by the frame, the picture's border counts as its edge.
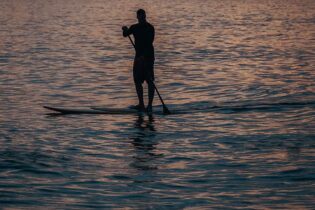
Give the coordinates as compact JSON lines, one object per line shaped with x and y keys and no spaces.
{"x":243,"y":71}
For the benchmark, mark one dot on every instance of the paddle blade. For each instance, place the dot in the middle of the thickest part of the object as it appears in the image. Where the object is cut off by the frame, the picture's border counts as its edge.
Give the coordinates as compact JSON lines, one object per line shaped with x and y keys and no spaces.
{"x":166,"y":110}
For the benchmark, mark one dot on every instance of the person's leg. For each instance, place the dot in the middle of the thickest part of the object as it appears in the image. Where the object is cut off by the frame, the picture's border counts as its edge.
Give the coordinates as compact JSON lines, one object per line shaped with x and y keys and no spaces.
{"x":139,"y":90}
{"x":150,"y":79}
{"x":138,"y":80}
{"x":151,"y":91}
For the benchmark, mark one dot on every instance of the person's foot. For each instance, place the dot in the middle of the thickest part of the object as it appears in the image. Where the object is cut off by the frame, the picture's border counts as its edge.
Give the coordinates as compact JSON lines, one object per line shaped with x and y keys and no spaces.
{"x":149,"y":109}
{"x":138,"y":107}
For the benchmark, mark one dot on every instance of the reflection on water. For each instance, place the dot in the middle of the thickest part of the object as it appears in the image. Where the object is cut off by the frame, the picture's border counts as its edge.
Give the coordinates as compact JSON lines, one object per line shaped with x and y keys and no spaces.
{"x":144,"y":143}
{"x":238,"y":74}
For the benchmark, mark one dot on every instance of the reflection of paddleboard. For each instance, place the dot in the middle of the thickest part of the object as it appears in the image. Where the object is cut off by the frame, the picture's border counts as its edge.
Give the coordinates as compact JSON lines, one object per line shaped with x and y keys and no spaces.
{"x":95,"y":110}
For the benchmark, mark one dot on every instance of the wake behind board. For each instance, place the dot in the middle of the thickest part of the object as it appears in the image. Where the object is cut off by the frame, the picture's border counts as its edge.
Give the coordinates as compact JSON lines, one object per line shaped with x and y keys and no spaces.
{"x":95,"y":110}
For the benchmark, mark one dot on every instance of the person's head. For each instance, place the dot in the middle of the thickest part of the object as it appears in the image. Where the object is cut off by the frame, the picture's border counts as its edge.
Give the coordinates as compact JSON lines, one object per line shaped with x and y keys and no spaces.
{"x":141,"y":15}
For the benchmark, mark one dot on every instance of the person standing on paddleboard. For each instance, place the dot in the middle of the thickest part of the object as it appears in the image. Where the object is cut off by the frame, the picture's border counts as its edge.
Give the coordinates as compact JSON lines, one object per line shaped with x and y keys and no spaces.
{"x":143,"y":67}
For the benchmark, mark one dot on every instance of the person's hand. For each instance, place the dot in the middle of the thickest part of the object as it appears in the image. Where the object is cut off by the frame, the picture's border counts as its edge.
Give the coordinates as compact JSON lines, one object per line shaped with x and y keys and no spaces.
{"x":124,"y":28}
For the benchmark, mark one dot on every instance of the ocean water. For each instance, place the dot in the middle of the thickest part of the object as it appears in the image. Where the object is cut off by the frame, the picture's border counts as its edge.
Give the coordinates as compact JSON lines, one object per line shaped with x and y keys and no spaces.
{"x":243,"y":71}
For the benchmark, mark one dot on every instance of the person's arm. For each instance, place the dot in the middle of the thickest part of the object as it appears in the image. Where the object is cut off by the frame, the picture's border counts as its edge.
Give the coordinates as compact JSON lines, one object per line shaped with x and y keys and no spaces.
{"x":127,"y":31}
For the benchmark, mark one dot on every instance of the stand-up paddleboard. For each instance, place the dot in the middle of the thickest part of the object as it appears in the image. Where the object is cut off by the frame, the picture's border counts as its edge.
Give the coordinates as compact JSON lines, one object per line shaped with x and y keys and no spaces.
{"x":96,"y":110}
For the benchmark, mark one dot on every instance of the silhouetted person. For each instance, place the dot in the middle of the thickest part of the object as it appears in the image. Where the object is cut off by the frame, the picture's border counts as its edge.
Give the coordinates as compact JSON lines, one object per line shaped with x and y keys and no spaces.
{"x":143,"y":33}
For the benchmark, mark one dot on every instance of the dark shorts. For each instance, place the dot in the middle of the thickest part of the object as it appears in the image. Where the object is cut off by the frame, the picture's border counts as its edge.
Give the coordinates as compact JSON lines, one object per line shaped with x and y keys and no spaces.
{"x":143,"y":70}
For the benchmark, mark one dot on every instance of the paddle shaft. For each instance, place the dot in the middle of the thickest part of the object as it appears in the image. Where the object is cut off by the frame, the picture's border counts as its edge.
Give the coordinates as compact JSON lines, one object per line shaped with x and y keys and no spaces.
{"x":165,"y":109}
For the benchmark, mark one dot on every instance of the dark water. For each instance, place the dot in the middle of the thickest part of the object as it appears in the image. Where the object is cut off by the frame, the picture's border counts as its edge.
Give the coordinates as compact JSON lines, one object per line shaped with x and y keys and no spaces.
{"x":241,"y":72}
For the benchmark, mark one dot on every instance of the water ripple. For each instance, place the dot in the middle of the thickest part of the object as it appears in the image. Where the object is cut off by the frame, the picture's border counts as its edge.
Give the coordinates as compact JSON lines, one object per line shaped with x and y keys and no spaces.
{"x":238,"y":76}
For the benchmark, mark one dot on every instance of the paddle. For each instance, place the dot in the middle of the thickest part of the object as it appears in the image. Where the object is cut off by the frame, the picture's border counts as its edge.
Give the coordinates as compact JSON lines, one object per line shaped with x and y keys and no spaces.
{"x":165,"y":109}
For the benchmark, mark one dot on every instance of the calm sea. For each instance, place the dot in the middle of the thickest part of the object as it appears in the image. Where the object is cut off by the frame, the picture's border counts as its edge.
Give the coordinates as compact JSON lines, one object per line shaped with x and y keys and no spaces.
{"x":243,"y":71}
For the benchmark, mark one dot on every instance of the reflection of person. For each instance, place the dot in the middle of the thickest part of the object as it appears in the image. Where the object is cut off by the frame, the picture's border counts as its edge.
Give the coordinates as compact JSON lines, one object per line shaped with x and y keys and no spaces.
{"x":139,"y":124}
{"x":144,"y":143}
{"x":143,"y":33}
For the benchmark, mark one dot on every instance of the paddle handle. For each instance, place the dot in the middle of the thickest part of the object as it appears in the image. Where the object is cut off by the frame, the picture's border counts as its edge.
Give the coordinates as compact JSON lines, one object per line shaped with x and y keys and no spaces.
{"x":133,"y":44}
{"x":157,"y":91}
